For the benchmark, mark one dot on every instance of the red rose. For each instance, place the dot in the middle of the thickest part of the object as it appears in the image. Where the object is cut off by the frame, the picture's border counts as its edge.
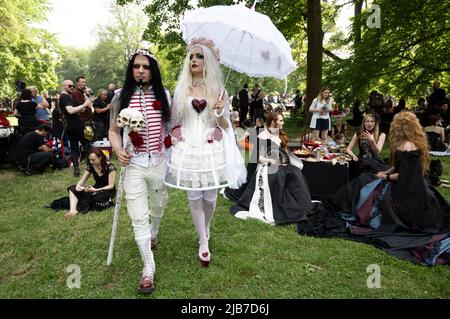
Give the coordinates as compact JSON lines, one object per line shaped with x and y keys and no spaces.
{"x":168,"y":141}
{"x":136,"y":139}
{"x":156,"y":105}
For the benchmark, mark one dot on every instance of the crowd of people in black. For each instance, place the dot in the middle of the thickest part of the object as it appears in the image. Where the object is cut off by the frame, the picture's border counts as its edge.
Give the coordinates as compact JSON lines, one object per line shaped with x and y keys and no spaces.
{"x":433,"y":114}
{"x":75,"y":117}
{"x":51,"y":132}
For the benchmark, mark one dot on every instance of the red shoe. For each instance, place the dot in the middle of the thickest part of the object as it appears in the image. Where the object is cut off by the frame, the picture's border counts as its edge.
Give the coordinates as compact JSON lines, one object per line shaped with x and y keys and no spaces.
{"x":154,"y":243}
{"x":204,"y":259}
{"x":146,"y":285}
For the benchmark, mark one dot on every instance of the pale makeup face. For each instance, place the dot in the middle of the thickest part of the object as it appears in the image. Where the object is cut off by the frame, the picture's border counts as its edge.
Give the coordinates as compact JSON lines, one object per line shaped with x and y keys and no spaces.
{"x":141,"y":69}
{"x":369,"y":124}
{"x":196,"y":61}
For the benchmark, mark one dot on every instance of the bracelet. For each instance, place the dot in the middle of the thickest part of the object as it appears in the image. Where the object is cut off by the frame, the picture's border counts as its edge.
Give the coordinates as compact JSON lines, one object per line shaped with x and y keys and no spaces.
{"x":388,"y":177}
{"x":221,"y":113}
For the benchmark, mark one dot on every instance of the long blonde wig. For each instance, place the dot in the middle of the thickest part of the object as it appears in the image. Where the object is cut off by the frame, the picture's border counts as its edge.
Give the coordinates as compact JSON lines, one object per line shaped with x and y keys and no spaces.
{"x":212,"y":77}
{"x":405,"y":127}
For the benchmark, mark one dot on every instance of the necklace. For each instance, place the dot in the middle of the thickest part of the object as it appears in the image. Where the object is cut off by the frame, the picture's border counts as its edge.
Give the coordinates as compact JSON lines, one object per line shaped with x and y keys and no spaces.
{"x":197,"y":82}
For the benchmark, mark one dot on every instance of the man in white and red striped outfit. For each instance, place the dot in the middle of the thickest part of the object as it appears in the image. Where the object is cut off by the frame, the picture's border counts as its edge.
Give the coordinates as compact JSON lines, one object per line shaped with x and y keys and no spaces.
{"x":143,"y":184}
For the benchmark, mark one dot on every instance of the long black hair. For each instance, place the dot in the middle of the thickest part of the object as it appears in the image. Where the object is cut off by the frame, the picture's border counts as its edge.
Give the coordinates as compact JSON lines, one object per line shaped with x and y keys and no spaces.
{"x":129,"y":86}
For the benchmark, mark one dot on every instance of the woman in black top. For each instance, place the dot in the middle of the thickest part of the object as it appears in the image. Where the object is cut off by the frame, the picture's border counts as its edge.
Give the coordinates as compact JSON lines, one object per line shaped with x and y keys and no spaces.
{"x":370,"y":142}
{"x":26,"y":112}
{"x":82,"y":197}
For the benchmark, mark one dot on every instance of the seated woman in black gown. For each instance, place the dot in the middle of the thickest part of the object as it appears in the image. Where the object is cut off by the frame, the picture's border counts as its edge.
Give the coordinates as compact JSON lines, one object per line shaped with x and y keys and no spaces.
{"x":83,"y":198}
{"x":436,"y":134}
{"x":396,"y":209}
{"x":277,"y":193}
{"x":370,"y":143}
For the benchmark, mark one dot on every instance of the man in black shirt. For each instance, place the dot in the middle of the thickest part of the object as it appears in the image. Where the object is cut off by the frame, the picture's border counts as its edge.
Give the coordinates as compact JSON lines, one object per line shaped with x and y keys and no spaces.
{"x":438,"y":95}
{"x":32,"y":154}
{"x":73,"y":125}
{"x":101,"y":115}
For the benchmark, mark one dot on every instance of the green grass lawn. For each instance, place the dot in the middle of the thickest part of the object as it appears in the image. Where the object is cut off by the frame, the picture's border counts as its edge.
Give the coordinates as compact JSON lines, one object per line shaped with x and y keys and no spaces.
{"x":249,"y":259}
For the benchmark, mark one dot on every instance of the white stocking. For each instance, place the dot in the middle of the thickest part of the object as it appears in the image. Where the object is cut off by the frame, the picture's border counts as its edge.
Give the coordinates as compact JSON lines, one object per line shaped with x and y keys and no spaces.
{"x":147,"y":257}
{"x":198,"y":218}
{"x":209,"y":204}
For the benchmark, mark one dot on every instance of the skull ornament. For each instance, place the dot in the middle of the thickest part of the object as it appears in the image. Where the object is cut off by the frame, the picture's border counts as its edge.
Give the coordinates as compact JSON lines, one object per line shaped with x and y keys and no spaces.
{"x":136,"y":120}
{"x":131,"y":118}
{"x":136,"y":124}
{"x":123,"y":119}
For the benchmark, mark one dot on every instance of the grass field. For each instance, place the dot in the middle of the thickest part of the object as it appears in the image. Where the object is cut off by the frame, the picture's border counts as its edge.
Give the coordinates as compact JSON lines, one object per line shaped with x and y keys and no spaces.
{"x":249,"y":259}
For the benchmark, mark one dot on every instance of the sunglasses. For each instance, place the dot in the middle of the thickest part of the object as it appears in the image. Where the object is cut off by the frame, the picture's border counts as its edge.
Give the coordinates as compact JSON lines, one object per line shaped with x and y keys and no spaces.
{"x":71,"y":86}
{"x":138,"y":66}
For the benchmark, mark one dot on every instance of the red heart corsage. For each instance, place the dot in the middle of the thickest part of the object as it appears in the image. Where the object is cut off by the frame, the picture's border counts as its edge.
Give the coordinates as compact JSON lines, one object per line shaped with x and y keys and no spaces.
{"x":168,"y":141}
{"x":136,"y":139}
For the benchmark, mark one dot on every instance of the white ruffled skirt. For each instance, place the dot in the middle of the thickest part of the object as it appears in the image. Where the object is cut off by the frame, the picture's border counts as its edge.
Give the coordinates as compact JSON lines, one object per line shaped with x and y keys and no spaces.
{"x":199,"y":168}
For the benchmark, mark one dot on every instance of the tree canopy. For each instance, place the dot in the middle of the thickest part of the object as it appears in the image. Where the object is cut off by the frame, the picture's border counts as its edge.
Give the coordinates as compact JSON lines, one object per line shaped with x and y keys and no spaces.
{"x":401,"y":58}
{"x":27,"y":53}
{"x":106,"y":62}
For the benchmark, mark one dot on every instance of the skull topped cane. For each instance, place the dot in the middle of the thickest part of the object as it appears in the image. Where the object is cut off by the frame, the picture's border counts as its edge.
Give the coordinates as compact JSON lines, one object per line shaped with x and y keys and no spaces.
{"x":134,"y":121}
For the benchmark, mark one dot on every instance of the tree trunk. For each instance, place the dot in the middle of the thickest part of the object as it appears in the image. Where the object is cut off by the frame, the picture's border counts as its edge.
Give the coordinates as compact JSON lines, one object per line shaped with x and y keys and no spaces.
{"x":357,"y":23}
{"x":314,"y":55}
